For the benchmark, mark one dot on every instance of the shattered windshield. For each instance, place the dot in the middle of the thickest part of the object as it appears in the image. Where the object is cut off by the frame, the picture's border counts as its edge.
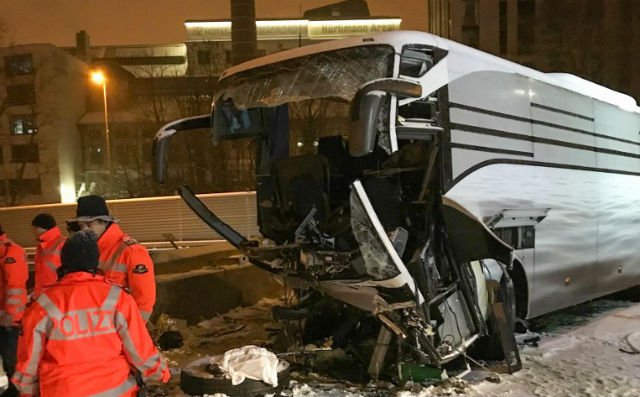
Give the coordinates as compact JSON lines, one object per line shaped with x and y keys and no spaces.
{"x":334,"y":74}
{"x":377,"y":261}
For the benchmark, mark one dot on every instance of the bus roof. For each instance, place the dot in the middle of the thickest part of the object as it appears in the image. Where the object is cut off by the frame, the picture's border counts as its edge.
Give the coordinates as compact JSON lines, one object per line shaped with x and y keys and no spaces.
{"x":480,"y":61}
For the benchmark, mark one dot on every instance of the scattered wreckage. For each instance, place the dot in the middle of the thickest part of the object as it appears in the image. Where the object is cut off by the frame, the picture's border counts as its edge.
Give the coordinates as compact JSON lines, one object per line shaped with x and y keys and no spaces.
{"x":363,"y":221}
{"x":442,"y":191}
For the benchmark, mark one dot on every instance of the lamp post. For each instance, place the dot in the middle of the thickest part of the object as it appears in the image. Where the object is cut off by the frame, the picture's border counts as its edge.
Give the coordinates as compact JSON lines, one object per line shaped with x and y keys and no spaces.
{"x":98,"y":77}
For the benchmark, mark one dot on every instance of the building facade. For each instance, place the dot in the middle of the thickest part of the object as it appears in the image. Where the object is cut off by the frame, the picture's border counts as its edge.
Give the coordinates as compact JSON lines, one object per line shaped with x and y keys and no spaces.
{"x":501,"y":27}
{"x":597,"y":39}
{"x":149,"y":86}
{"x":54,"y":141}
{"x":209,"y":41}
{"x":42,"y":97}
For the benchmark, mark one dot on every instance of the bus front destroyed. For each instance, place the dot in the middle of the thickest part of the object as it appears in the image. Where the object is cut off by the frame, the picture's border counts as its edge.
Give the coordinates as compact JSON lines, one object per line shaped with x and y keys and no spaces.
{"x":357,"y":223}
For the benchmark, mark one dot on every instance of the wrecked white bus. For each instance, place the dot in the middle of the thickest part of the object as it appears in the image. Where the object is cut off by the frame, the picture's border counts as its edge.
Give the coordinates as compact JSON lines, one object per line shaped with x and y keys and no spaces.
{"x":466,"y":191}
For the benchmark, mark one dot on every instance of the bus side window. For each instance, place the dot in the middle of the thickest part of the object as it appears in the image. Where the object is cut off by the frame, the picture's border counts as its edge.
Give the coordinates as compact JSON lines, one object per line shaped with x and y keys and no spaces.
{"x":519,"y":237}
{"x":422,"y":109}
{"x":527,"y":237}
{"x":415,"y":61}
{"x":509,"y":235}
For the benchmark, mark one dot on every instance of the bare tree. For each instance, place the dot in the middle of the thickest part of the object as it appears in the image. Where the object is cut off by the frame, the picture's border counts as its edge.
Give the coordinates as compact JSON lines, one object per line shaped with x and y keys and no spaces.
{"x":159,"y":96}
{"x":314,"y":119}
{"x":24,"y":172}
{"x":594,"y":39}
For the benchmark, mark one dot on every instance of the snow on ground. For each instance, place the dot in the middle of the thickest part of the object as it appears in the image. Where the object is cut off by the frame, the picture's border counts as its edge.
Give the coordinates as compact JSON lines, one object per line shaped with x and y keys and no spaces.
{"x":579,"y":355}
{"x":582,"y":361}
{"x":239,"y":327}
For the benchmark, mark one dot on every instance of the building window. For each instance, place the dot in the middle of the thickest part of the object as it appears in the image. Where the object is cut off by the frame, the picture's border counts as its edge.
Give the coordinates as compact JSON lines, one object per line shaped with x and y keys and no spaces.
{"x":204,"y":57}
{"x":96,"y":155}
{"x":470,"y":27}
{"x":23,"y":125}
{"x":25,"y":186}
{"x":415,"y":62}
{"x":124,"y":153}
{"x":522,"y":237}
{"x":17,"y":65}
{"x":93,"y":148}
{"x":20,"y":94}
{"x":526,"y":23}
{"x":25,"y":153}
{"x":503,"y":26}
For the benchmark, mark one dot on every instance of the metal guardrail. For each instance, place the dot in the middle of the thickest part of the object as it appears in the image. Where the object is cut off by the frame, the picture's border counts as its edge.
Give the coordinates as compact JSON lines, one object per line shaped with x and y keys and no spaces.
{"x":148,"y":220}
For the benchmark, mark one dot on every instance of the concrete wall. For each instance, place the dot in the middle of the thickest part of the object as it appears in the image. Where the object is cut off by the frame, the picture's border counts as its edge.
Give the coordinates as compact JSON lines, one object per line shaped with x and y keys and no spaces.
{"x":201,"y":294}
{"x":202,"y":282}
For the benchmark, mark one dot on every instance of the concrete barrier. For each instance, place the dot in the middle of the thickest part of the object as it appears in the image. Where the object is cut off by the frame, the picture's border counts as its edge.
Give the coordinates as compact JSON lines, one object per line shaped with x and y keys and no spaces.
{"x":193,"y":258}
{"x":202,"y":282}
{"x":205,"y":293}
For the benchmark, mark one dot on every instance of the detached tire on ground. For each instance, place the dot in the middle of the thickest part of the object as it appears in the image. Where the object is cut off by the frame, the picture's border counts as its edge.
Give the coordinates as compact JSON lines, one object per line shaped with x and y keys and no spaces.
{"x":196,"y":381}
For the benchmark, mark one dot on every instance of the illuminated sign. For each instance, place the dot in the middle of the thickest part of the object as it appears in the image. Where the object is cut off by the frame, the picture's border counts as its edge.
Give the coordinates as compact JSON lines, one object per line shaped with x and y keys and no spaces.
{"x":293,"y":29}
{"x":351,"y":27}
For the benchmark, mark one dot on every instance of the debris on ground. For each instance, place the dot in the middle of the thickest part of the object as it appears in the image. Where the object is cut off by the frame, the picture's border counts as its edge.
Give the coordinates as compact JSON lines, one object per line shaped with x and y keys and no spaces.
{"x":170,"y":340}
{"x":448,"y":387}
{"x":575,"y":359}
{"x":631,"y":343}
{"x":169,"y":332}
{"x":167,"y":323}
{"x":528,"y":338}
{"x":251,"y":362}
{"x":480,"y":375}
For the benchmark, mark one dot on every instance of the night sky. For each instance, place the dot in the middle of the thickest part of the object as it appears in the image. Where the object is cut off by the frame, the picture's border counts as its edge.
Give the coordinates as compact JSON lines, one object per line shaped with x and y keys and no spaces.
{"x":154,"y":21}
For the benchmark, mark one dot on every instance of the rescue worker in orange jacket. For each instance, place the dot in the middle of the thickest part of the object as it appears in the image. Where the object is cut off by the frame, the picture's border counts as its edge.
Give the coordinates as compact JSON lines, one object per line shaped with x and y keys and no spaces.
{"x":84,"y":335}
{"x":13,"y":298}
{"x":47,"y":259}
{"x":122,"y":259}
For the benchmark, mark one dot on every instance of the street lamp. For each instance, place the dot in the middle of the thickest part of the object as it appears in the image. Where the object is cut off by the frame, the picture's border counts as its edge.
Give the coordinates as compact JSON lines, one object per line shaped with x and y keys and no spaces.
{"x":98,"y":77}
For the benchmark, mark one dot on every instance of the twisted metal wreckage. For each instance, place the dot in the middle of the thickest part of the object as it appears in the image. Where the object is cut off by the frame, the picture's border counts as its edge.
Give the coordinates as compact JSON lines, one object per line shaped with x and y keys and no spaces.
{"x":369,"y":221}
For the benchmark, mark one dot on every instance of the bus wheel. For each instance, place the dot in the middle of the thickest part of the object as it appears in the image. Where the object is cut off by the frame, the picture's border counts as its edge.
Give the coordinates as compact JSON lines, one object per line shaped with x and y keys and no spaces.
{"x":198,"y":378}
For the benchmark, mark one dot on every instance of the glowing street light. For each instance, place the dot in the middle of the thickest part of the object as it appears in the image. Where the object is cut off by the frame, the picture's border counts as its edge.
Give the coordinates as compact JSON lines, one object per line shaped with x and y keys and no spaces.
{"x":98,"y":77}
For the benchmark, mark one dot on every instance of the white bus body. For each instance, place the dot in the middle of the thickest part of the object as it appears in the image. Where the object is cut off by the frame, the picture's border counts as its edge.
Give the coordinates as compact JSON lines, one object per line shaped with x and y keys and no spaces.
{"x":548,"y":162}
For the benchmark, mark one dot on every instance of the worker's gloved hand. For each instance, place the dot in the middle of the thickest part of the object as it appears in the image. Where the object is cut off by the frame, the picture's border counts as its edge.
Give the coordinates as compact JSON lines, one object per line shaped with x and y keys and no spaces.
{"x":142,"y":387}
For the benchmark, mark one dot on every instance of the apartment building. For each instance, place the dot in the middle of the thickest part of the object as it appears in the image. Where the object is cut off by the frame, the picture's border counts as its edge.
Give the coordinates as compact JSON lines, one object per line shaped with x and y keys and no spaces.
{"x":42,"y":97}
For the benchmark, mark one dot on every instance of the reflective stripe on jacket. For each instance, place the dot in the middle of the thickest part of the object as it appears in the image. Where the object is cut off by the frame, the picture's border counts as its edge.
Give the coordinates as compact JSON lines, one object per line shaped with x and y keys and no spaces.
{"x":81,"y":337}
{"x":13,"y":282}
{"x":128,"y":263}
{"x":47,"y":259}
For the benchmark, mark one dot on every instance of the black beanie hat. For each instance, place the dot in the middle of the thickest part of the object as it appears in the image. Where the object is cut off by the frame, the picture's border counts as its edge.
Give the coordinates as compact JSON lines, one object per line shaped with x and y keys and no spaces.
{"x":79,"y":253}
{"x":45,"y":221}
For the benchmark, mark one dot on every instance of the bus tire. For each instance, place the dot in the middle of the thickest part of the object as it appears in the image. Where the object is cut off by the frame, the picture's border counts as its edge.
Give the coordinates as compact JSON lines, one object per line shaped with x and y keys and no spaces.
{"x":196,"y":382}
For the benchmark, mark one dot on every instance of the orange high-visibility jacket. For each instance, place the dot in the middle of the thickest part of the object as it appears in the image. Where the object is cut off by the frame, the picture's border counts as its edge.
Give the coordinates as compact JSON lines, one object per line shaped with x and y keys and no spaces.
{"x":82,"y":337}
{"x":13,"y":282}
{"x":47,"y":259}
{"x":128,"y":264}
